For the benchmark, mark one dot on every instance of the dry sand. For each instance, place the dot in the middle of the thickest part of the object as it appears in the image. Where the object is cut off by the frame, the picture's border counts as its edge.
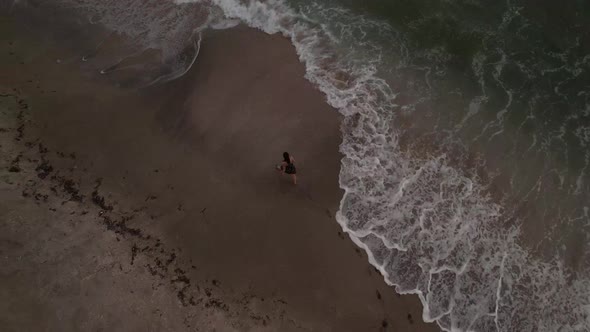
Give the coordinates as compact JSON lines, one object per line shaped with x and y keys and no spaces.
{"x":160,"y":210}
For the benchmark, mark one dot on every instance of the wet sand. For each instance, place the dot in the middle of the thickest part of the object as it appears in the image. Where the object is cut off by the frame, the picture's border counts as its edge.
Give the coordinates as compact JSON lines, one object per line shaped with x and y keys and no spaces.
{"x":160,"y":209}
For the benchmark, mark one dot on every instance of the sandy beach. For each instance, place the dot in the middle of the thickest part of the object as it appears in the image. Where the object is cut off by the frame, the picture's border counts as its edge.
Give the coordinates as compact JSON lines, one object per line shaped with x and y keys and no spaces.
{"x":159,"y":209}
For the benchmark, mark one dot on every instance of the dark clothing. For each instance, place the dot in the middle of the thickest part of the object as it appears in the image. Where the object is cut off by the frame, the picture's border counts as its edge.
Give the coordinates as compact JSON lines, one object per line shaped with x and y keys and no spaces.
{"x":290,"y":169}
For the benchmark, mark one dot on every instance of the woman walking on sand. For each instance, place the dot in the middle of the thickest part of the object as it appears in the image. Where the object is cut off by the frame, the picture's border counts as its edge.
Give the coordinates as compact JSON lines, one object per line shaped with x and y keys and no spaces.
{"x":288,"y":166}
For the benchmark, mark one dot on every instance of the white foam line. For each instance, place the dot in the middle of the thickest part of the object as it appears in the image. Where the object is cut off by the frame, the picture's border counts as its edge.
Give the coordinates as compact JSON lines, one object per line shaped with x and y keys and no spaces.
{"x":97,"y":47}
{"x":175,"y":75}
{"x":425,"y":312}
{"x":498,"y":291}
{"x":121,"y":59}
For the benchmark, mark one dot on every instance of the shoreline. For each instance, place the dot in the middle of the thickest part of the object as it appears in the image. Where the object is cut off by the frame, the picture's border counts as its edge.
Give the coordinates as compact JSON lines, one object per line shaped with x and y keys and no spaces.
{"x":285,"y":259}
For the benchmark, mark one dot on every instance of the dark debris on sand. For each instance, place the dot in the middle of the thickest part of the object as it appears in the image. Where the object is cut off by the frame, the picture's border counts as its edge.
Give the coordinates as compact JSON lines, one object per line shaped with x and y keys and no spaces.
{"x":70,"y":187}
{"x":44,"y":169}
{"x":99,"y":200}
{"x":120,"y":226}
{"x":162,"y":263}
{"x":133,"y":253}
{"x":14,"y":165}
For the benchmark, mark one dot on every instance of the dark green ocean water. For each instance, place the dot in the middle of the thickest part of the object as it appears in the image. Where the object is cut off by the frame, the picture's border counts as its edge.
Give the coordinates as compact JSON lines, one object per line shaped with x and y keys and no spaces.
{"x":509,"y":81}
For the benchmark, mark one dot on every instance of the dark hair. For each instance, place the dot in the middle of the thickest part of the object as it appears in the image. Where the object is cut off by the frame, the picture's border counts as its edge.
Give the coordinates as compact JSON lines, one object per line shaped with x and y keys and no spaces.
{"x":286,"y":157}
